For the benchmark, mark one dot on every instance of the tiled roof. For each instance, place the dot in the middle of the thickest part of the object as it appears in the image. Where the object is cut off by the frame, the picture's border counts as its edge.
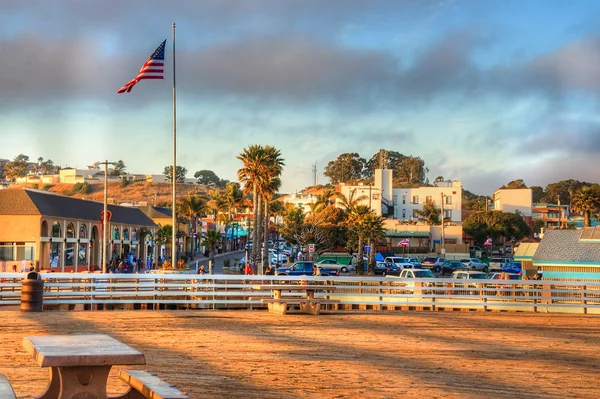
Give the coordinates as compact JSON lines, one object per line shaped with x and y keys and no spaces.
{"x":565,"y":246}
{"x":33,"y":202}
{"x":16,"y":202}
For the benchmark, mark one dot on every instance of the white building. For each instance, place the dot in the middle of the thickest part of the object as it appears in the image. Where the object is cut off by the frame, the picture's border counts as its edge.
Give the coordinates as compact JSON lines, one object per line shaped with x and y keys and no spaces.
{"x":400,"y":205}
{"x":514,"y":200}
{"x":300,"y":200}
{"x":74,"y":175}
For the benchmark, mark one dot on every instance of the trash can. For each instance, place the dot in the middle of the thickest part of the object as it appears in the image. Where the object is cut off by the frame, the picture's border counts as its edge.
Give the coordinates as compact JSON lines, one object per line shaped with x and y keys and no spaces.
{"x":32,"y":293}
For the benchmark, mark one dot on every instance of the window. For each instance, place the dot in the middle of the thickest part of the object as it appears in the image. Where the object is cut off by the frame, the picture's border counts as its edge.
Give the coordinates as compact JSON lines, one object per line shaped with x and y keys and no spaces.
{"x":403,"y":213}
{"x":415,"y":199}
{"x":55,"y":229}
{"x":404,"y":199}
{"x":447,"y":213}
{"x":448,"y":200}
{"x":428,"y":198}
{"x":126,"y":233}
{"x":70,"y":231}
{"x":395,"y":198}
{"x":83,"y":231}
{"x":375,"y":196}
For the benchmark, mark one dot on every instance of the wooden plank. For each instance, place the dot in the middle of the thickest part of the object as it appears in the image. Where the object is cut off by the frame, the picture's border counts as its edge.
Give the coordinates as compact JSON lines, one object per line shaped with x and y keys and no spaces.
{"x":293,"y":287}
{"x":6,"y":391}
{"x":150,"y":385}
{"x":80,"y":350}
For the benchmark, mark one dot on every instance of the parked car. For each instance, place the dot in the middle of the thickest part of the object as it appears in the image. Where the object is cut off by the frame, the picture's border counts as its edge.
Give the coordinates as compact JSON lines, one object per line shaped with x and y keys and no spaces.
{"x":387,"y":268}
{"x":452,"y":266}
{"x":418,"y":273}
{"x":304,"y":269}
{"x":497,"y":263}
{"x":334,"y":264}
{"x":416,"y":261}
{"x":511,"y":276}
{"x":434,"y":264}
{"x":512,"y":267}
{"x":396,"y":259}
{"x":469,"y":275}
{"x":475,"y":264}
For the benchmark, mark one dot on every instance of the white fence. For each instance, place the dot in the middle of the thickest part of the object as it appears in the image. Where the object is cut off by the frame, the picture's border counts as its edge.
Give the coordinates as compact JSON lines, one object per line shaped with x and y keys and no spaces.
{"x":151,"y":291}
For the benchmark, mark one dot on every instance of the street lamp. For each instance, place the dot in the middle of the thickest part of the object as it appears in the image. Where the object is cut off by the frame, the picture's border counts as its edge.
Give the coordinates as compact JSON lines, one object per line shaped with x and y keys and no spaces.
{"x":105,"y":225}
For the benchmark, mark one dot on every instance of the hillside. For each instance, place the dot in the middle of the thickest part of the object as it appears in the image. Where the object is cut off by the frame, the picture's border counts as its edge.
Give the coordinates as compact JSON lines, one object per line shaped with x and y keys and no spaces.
{"x":152,"y":193}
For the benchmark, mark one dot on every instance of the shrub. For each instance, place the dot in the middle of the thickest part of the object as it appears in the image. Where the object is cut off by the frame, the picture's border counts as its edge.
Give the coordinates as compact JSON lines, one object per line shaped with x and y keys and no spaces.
{"x":47,"y":187}
{"x":35,"y":186}
{"x":124,"y":183}
{"x":81,"y":188}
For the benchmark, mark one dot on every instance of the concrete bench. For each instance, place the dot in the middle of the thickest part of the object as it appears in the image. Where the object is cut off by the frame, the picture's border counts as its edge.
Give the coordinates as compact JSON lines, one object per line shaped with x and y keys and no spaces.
{"x":146,"y":385}
{"x":310,"y":306}
{"x":6,"y":391}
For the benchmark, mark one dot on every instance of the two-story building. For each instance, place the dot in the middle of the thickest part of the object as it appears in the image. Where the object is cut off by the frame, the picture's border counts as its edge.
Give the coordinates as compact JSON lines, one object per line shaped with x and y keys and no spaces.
{"x":552,"y":215}
{"x":514,"y":200}
{"x":59,"y":233}
{"x":400,"y":207}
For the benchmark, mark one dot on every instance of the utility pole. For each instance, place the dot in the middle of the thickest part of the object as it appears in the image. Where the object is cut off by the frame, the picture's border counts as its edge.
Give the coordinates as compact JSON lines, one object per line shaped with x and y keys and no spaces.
{"x":443,"y":226}
{"x":105,"y":222}
{"x":314,"y":171}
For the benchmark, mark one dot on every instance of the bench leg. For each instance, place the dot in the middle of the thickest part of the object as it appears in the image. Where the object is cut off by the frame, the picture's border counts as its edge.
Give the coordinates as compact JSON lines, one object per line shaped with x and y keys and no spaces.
{"x":310,"y":308}
{"x":53,"y":387}
{"x":279,"y":308}
{"x":131,"y":394}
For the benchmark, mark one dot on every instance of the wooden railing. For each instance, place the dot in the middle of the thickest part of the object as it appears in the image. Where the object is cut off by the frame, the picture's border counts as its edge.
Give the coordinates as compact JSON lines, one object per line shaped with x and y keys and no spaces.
{"x":153,"y":291}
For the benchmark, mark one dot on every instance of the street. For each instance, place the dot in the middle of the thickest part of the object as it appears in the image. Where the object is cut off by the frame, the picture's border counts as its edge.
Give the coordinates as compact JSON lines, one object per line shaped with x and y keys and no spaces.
{"x":219,"y":259}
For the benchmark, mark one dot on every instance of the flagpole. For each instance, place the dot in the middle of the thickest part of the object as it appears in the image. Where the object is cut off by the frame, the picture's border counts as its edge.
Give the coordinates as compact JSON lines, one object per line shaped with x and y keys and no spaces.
{"x":174,"y":171}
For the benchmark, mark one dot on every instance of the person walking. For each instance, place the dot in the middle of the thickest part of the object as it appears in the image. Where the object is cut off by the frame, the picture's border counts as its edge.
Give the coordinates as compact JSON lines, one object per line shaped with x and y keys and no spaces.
{"x":316,"y":271}
{"x":248,"y":269}
{"x":201,"y":270}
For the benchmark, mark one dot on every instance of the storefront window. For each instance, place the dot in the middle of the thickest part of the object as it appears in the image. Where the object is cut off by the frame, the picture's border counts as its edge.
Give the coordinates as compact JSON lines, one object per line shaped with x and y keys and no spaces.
{"x":55,"y":229}
{"x":115,"y":233}
{"x":83,"y":231}
{"x":70,"y":230}
{"x":126,"y":234}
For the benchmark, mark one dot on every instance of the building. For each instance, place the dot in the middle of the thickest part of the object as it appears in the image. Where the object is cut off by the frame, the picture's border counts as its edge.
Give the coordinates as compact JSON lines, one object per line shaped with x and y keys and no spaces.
{"x":569,"y":255}
{"x":300,"y":200}
{"x":74,"y":175}
{"x":400,"y":206}
{"x":514,"y":200}
{"x":58,"y":233}
{"x":552,"y":215}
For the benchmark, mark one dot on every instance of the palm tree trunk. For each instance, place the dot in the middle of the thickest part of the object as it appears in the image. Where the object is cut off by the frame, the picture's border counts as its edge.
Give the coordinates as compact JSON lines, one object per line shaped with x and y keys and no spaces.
{"x":266,"y":231}
{"x":259,"y":233}
{"x":254,"y":226}
{"x":370,"y":265}
{"x":586,"y":218}
{"x":360,"y":268}
{"x":211,"y":260}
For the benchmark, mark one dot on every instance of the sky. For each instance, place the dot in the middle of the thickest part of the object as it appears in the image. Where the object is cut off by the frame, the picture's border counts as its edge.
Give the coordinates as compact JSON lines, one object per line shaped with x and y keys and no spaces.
{"x":484,"y":91}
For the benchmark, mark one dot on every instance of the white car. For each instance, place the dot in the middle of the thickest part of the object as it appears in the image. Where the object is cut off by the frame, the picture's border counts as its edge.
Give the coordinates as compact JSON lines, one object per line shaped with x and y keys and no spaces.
{"x":434,"y":264}
{"x":475,"y":264}
{"x":334,"y":264}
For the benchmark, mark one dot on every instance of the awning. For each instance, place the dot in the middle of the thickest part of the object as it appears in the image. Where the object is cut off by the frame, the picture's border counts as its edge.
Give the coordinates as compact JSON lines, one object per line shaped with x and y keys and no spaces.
{"x":525,"y":251}
{"x":407,"y":234}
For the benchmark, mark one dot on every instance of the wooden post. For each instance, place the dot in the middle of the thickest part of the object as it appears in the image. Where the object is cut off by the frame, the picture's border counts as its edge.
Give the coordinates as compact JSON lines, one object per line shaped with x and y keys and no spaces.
{"x":584,"y":296}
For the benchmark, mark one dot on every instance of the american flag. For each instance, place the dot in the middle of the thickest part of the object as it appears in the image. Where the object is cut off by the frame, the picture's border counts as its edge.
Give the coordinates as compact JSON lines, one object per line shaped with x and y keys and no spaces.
{"x":403,"y":243}
{"x":154,"y":68}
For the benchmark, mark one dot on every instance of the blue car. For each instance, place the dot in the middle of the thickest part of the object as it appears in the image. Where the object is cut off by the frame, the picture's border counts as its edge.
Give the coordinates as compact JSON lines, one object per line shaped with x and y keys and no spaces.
{"x":512,"y":267}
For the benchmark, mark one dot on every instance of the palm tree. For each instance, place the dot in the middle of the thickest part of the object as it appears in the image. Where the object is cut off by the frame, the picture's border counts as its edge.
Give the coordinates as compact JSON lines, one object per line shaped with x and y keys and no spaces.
{"x":233,"y":197}
{"x":350,"y":202}
{"x":326,"y":196}
{"x":191,"y":208}
{"x":374,"y":232}
{"x":210,"y":241}
{"x":268,"y":190}
{"x":260,"y":166}
{"x":586,"y":200}
{"x":357,"y":225}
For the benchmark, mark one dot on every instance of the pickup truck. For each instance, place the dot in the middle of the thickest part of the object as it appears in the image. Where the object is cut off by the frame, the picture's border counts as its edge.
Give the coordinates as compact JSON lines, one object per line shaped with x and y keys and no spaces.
{"x":305,"y":269}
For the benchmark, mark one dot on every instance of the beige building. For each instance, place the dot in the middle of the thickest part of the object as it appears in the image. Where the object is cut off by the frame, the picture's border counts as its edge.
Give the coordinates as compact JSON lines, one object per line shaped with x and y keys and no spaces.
{"x":514,"y":200}
{"x":300,"y":200}
{"x":58,"y":233}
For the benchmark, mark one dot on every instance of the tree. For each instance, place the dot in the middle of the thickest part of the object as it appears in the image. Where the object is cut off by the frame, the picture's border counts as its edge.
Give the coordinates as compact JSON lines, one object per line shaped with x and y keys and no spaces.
{"x":181,"y":172}
{"x":586,"y":200}
{"x":384,"y":159}
{"x":474,"y":202}
{"x":207,"y":177}
{"x":515,"y":184}
{"x":259,"y":165}
{"x":439,"y":179}
{"x":119,"y":168}
{"x":562,"y":191}
{"x":495,"y":224}
{"x":350,"y":202}
{"x":430,"y":214}
{"x":348,"y":167}
{"x":537,"y":194}
{"x":191,"y":208}
{"x":538,"y":225}
{"x":16,"y":168}
{"x":411,"y":170}
{"x":374,"y":232}
{"x":356,"y":223}
{"x":163,"y":237}
{"x":210,"y":242}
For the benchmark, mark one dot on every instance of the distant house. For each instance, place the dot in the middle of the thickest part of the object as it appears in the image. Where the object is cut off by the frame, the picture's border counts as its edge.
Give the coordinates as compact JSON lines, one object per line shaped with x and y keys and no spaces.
{"x":568,"y":255}
{"x":514,"y":200}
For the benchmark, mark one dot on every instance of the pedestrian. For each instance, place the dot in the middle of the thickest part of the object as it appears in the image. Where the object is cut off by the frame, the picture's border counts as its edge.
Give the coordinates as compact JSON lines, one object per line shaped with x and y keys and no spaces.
{"x":316,"y":271}
{"x":299,"y":255}
{"x":269,"y":271}
{"x":121,"y":266}
{"x":248,"y":269}
{"x":201,"y":270}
